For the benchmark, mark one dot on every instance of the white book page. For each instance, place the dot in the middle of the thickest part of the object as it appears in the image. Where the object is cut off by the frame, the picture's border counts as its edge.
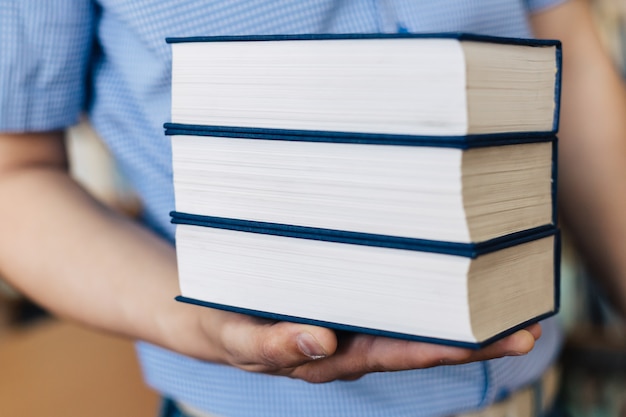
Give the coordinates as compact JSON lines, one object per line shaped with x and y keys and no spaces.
{"x":395,"y":290}
{"x":403,"y":86}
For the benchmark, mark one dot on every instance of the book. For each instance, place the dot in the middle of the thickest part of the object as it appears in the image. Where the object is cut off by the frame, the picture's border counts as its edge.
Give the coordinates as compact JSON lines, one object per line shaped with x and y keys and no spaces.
{"x":445,"y":84}
{"x":468,"y":190}
{"x":467,"y":299}
{"x":401,"y":185}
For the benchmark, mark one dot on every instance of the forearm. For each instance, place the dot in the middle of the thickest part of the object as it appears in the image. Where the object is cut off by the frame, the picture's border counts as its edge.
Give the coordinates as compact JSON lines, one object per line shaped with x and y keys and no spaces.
{"x":85,"y":262}
{"x":592,"y":162}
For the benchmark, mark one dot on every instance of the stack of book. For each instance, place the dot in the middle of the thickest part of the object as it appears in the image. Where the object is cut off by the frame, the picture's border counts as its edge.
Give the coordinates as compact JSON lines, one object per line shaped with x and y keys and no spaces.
{"x":398,"y":185}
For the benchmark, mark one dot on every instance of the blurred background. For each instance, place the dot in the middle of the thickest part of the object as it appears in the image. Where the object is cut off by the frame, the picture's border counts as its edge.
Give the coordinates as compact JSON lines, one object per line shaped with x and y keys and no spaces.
{"x":53,"y":368}
{"x":49,"y":367}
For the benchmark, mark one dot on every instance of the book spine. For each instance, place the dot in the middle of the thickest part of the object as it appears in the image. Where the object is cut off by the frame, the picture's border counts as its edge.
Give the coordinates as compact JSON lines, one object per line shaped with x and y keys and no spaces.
{"x":557,"y":88}
{"x":555,"y":182}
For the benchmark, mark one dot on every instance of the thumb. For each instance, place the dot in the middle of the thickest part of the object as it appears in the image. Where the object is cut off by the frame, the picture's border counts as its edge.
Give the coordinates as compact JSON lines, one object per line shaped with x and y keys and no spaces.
{"x":272,"y":347}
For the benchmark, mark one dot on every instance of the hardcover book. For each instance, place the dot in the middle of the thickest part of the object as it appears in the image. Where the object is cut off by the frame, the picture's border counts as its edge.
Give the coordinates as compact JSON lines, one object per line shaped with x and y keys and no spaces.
{"x":464,"y":297}
{"x":466,"y":190}
{"x":446,"y":84}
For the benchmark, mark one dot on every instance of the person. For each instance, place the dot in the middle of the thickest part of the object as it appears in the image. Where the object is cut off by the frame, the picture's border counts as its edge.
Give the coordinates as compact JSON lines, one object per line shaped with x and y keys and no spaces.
{"x":86,"y":263}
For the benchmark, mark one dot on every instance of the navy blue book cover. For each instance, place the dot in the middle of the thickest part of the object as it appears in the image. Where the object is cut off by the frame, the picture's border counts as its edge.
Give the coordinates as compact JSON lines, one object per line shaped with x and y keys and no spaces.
{"x":468,"y":250}
{"x":458,"y":142}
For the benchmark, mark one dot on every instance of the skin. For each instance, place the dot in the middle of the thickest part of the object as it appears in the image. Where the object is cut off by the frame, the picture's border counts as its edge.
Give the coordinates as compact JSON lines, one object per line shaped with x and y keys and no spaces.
{"x":91,"y":265}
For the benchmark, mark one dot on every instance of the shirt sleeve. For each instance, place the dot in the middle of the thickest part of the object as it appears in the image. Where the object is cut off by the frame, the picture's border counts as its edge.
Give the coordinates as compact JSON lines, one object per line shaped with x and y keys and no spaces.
{"x":44,"y":56}
{"x":539,"y":5}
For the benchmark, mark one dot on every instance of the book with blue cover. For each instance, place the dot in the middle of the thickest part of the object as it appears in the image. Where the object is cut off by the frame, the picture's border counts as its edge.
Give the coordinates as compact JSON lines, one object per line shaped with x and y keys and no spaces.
{"x":370,"y":286}
{"x":390,"y":184}
{"x":405,"y":84}
{"x":378,"y":185}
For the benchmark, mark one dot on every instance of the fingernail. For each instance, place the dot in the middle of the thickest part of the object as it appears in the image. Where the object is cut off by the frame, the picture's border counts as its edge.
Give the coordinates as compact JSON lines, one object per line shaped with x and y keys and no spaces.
{"x":515,"y":354}
{"x":310,"y":346}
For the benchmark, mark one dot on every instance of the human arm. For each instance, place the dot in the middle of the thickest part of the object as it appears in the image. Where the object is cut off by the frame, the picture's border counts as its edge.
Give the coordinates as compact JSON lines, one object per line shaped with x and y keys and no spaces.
{"x":87,"y":263}
{"x":592,"y":147}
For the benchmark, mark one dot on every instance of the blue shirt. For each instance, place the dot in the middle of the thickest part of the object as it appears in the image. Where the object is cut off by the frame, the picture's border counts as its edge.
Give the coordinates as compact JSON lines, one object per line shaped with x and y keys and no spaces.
{"x":109,"y":57}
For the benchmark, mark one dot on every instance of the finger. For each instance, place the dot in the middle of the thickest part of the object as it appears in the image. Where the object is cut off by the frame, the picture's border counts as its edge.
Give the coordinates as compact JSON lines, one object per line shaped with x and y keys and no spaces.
{"x":275,"y":347}
{"x":362,"y":354}
{"x":517,"y":344}
{"x":535,"y":330}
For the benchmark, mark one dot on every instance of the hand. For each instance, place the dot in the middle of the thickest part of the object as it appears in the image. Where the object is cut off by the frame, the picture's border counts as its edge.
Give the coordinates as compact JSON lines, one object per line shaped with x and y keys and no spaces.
{"x":317,"y":354}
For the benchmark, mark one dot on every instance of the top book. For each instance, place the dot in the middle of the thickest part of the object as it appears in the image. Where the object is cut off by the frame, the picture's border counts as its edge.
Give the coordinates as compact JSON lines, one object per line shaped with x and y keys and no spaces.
{"x":424,"y":85}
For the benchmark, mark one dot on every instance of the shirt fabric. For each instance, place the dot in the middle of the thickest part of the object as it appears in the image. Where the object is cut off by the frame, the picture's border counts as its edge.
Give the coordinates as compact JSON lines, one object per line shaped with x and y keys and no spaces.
{"x":109,"y":58}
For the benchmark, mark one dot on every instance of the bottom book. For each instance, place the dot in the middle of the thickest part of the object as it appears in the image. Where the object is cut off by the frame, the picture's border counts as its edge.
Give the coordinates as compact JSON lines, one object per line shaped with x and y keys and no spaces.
{"x":462,"y":300}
